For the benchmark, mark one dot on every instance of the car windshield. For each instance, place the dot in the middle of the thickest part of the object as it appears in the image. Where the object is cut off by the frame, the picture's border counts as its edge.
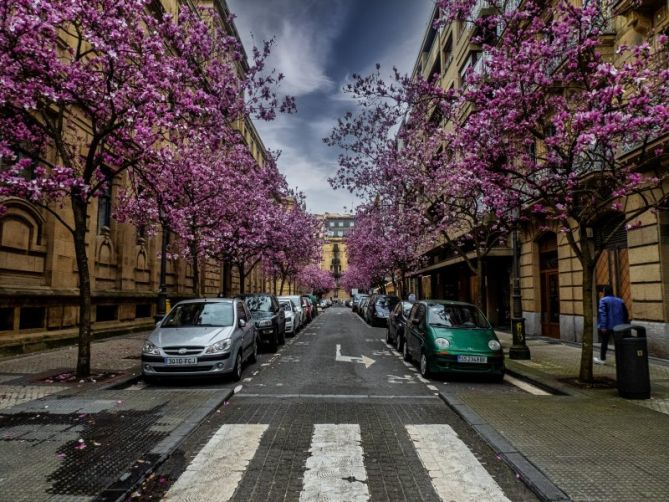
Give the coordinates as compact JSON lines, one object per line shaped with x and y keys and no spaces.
{"x":456,"y":316}
{"x":287,"y":306}
{"x":202,"y":314}
{"x":259,"y":303}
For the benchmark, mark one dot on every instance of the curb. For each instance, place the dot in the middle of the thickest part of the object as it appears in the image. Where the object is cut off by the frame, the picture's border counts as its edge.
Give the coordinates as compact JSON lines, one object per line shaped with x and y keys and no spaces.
{"x":531,"y":475}
{"x":549,"y":385}
{"x":129,"y":481}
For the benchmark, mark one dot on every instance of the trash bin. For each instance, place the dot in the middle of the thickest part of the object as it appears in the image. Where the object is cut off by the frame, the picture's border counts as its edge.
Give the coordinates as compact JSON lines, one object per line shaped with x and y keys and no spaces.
{"x":632,"y":371}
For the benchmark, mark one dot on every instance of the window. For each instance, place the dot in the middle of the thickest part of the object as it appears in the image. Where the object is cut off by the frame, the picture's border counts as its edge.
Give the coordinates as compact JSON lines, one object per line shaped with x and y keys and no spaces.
{"x":142,"y":311}
{"x":340,"y":233}
{"x":187,"y":315}
{"x":332,"y":223}
{"x":341,"y":223}
{"x":105,"y":206}
{"x":456,"y":316}
{"x":6,"y":319}
{"x":106,"y":313}
{"x":351,"y":224}
{"x":32,"y":317}
{"x":241,"y":312}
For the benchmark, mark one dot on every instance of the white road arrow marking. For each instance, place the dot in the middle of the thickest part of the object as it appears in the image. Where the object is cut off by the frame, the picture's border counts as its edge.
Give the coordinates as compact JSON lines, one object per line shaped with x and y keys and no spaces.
{"x":352,"y":359}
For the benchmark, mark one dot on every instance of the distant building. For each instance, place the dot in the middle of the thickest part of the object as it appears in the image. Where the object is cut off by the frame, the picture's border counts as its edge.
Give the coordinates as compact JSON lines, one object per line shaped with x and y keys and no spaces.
{"x":336,"y":227}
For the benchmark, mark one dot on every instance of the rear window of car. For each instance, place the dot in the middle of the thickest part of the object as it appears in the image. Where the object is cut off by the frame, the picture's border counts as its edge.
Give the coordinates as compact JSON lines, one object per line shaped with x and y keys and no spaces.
{"x":259,"y":303}
{"x":200,"y":315}
{"x":387,"y":302}
{"x":456,"y":316}
{"x":286,"y":305}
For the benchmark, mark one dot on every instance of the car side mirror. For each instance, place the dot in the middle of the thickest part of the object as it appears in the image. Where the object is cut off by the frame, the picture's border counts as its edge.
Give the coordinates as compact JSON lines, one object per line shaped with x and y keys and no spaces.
{"x":242,"y":323}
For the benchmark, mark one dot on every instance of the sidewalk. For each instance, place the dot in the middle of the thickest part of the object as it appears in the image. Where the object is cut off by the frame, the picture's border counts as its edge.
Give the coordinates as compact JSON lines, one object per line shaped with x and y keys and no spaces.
{"x":590,"y":443}
{"x":76,"y":441}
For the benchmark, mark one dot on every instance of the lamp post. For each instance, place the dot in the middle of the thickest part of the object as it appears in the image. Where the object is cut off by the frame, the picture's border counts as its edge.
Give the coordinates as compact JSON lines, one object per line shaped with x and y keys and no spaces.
{"x":519,"y":349}
{"x":161,"y":306}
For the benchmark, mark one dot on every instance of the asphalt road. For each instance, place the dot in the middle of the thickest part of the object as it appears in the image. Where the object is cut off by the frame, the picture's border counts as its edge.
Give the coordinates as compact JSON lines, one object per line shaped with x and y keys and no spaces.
{"x":336,"y":415}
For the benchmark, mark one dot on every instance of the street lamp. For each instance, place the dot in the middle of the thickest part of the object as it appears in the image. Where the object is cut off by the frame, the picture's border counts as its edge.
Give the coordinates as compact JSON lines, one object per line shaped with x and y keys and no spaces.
{"x":519,"y":349}
{"x":161,"y":307}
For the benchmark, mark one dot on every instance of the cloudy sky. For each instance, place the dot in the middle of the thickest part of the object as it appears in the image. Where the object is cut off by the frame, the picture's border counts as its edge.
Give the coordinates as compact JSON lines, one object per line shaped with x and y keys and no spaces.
{"x":319,"y":44}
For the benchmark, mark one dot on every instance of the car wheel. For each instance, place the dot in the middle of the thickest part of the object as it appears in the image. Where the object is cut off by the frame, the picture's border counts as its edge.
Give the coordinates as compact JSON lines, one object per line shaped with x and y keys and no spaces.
{"x":151,"y":380}
{"x":424,"y":366}
{"x":398,"y":343}
{"x":253,"y":358}
{"x":237,"y":370}
{"x":388,"y":339}
{"x":274,"y":343}
{"x":498,"y":377}
{"x":406,"y":355}
{"x":282,"y":338}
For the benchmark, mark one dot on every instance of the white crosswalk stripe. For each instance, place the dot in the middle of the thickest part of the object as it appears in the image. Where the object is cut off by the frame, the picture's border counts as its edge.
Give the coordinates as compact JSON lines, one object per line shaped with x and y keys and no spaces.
{"x":217,"y":470}
{"x":455,"y":472}
{"x":335,"y":467}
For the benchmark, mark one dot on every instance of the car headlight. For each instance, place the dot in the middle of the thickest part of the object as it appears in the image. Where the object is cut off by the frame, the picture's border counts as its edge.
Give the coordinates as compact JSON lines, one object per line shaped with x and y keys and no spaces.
{"x":494,"y":345}
{"x":150,"y":348}
{"x":442,"y":343}
{"x":263,"y":324}
{"x":222,"y":346}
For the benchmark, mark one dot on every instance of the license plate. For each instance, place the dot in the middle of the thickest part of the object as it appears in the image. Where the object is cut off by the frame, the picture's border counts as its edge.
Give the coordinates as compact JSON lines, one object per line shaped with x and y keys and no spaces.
{"x":180,"y":361}
{"x":472,"y":359}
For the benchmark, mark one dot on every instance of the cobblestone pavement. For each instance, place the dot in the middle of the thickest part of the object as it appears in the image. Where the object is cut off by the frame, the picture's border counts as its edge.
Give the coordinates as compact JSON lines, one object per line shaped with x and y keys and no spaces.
{"x":381,"y":422}
{"x":65,"y":442}
{"x":591,"y":443}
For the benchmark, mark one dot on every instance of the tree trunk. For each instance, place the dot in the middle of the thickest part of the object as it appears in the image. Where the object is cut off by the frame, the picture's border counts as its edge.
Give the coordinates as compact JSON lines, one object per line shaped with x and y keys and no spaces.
{"x":242,"y":279}
{"x":80,"y":210}
{"x":585,"y":374}
{"x":226,"y":278}
{"x":195,"y":269}
{"x":283,"y":280}
{"x":480,"y":294}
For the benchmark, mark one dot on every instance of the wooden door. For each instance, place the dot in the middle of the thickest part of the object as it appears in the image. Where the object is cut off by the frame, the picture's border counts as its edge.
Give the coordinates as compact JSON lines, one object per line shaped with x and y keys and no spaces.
{"x":550,"y":286}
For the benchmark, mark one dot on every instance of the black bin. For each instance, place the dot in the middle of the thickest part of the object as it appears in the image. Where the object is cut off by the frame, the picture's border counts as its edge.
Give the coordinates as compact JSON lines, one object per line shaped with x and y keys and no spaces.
{"x":632,"y":371}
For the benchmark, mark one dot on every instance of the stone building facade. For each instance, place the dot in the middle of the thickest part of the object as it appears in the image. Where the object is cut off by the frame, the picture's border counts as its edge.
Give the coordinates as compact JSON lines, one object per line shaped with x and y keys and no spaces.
{"x":38,"y":271}
{"x":334,"y":257}
{"x":635,"y":262}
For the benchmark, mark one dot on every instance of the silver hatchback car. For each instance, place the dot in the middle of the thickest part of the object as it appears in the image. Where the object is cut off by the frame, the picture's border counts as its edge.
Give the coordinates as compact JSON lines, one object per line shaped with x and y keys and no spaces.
{"x":207,"y":336}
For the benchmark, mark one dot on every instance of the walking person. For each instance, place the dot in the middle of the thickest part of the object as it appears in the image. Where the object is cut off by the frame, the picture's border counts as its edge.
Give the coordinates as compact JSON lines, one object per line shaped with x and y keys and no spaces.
{"x":611,"y":312}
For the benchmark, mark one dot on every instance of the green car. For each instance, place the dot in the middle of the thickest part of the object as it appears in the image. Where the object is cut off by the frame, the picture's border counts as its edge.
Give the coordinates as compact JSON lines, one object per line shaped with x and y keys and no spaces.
{"x":452,"y":337}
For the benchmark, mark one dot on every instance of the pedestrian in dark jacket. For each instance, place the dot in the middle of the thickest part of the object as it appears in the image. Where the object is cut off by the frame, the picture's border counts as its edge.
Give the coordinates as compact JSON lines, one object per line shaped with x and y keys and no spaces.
{"x":612,"y":311}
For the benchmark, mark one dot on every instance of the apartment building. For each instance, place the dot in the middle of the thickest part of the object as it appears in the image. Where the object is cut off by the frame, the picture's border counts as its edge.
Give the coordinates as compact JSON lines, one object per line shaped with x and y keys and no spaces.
{"x":38,"y":271}
{"x":635,"y":262}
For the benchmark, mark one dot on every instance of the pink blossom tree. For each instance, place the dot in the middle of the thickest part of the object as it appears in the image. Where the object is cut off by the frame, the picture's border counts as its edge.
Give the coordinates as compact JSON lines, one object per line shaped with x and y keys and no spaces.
{"x":138,"y":83}
{"x":315,"y":279}
{"x":572,"y":128}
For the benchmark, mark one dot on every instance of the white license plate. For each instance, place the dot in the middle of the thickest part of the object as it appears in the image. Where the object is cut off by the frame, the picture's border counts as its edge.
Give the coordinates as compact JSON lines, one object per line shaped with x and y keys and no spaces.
{"x":180,"y":361}
{"x":472,"y":359}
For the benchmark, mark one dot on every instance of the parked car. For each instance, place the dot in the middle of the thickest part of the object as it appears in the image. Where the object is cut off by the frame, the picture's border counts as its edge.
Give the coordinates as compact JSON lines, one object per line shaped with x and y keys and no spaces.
{"x":268,"y":316}
{"x":378,"y":309}
{"x":323,"y":304}
{"x":308,"y":308}
{"x":355,"y":304}
{"x":397,"y":321}
{"x":290,"y":313}
{"x":362,"y":306}
{"x":199,"y":338}
{"x":299,"y":309}
{"x":452,"y":337}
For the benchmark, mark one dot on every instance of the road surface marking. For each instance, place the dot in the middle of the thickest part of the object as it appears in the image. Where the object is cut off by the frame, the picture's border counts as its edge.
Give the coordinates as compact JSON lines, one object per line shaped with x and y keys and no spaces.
{"x":238,"y":389}
{"x":331,"y":396}
{"x":335,"y":467}
{"x":353,"y":359}
{"x":217,"y":470}
{"x":455,"y":472}
{"x":526,"y":386}
{"x":424,"y":380}
{"x":432,"y":387}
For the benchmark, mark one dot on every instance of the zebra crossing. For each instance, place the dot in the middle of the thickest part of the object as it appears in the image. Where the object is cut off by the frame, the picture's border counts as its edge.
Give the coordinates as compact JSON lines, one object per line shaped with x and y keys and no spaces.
{"x":335,"y":469}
